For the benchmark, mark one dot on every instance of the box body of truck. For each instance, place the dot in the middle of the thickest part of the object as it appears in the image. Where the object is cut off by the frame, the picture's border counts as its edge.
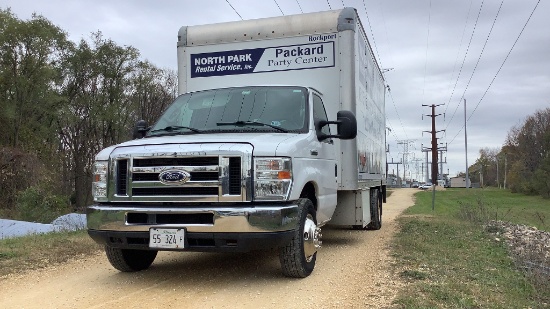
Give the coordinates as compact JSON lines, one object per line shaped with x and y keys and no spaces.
{"x":258,"y":149}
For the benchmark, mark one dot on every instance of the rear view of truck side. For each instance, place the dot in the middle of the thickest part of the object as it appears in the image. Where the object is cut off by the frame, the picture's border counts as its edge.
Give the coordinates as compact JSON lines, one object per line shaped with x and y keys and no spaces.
{"x":279,"y":129}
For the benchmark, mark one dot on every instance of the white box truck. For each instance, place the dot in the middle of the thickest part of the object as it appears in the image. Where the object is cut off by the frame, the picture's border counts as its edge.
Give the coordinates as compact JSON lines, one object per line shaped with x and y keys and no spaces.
{"x":278,"y":129}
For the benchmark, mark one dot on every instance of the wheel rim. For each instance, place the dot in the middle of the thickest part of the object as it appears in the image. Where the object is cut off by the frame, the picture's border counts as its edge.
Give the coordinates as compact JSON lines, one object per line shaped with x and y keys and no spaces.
{"x":312,"y":238}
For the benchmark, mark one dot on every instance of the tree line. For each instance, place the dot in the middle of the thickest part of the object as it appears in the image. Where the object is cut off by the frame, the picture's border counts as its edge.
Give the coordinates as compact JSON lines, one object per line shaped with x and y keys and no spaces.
{"x":61,"y":102}
{"x":523,"y":162}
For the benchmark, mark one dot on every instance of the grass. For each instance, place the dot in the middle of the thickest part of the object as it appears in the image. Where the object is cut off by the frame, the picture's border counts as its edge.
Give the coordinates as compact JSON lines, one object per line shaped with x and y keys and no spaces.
{"x":449,"y":260}
{"x":36,"y":251}
{"x":495,"y":204}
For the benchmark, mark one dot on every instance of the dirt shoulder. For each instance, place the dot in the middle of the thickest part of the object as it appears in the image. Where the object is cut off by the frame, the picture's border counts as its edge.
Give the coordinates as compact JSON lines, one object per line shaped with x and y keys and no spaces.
{"x":353,"y":271}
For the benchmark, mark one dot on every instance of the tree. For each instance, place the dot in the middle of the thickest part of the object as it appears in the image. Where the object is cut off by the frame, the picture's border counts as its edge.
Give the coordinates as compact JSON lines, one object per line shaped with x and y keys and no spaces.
{"x":153,"y":90}
{"x":29,"y":70}
{"x":61,"y":103}
{"x":526,"y":148}
{"x":98,"y":111}
{"x":30,"y":53}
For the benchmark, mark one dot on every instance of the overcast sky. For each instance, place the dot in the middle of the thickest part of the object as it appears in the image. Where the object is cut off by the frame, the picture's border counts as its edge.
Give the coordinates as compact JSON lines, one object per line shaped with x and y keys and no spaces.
{"x":434,"y":51}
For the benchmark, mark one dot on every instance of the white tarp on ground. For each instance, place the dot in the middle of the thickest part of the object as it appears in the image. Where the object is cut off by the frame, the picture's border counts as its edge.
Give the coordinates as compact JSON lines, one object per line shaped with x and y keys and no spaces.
{"x":14,"y":228}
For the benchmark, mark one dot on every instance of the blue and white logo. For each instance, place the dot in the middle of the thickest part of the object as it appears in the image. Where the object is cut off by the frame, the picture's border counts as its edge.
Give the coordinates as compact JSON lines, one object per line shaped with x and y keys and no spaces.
{"x":318,"y":52}
{"x":174,"y":177}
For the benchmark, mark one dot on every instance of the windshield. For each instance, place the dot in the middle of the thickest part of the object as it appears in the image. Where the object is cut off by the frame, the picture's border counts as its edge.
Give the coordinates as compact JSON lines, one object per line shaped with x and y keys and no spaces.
{"x":275,"y":109}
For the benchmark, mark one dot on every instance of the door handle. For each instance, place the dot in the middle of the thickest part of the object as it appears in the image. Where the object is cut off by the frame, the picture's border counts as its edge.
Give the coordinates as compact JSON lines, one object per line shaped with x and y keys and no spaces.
{"x":313,"y":152}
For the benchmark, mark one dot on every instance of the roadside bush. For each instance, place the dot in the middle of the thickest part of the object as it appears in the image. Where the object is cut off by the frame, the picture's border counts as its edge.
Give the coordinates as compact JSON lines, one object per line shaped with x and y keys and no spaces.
{"x":478,"y":213}
{"x":14,"y":164}
{"x":481,"y":212}
{"x":38,"y":205}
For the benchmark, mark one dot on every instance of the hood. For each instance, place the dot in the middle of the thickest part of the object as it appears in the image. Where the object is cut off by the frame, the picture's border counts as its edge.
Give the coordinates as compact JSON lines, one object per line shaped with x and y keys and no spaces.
{"x":264,"y":144}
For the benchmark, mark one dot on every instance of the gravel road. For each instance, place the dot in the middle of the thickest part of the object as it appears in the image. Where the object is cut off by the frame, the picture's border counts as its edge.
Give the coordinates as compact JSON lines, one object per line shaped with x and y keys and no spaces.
{"x":352,"y":271}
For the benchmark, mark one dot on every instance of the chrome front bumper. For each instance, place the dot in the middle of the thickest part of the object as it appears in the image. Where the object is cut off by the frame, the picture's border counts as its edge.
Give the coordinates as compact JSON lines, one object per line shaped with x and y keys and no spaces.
{"x":248,"y":219}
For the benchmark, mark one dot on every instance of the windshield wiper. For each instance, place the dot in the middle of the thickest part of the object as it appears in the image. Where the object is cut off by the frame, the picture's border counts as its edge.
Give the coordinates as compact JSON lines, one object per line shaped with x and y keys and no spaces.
{"x":241,"y":123}
{"x":174,"y":128}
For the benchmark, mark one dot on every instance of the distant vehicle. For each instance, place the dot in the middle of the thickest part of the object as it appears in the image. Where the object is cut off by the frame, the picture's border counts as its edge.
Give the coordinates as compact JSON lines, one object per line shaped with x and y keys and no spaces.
{"x":414,"y":185}
{"x":425,"y":186}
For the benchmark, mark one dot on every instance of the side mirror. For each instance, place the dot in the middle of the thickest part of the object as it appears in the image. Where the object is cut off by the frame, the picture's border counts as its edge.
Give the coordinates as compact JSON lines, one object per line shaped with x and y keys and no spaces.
{"x":140,"y":129}
{"x":347,"y":126}
{"x":347,"y":129}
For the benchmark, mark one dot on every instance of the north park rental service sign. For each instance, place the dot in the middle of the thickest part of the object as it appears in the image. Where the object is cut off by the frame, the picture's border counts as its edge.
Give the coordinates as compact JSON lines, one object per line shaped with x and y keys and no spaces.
{"x":317,"y":53}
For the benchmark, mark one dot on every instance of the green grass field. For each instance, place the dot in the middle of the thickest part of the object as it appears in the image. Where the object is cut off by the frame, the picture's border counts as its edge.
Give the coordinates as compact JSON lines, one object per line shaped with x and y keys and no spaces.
{"x":450,"y":261}
{"x":496,"y":204}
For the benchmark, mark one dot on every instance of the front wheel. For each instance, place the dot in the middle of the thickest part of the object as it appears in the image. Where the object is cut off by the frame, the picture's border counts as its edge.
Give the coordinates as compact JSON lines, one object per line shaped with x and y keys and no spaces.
{"x":298,"y":256}
{"x":128,"y":260}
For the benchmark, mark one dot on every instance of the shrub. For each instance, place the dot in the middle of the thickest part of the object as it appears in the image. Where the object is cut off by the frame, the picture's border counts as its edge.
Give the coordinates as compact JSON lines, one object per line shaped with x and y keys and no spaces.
{"x":37,"y":205}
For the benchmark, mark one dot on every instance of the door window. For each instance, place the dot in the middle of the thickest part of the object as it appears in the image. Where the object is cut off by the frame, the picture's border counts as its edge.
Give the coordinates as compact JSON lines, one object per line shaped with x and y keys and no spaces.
{"x":319,"y":113}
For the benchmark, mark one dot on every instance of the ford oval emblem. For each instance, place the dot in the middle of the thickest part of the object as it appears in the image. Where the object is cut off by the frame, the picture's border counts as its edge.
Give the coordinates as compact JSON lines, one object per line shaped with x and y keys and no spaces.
{"x":174,"y":177}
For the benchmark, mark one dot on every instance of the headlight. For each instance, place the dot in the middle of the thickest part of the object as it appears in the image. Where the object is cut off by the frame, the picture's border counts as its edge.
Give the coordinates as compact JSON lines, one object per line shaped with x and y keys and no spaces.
{"x":99,"y":183}
{"x":272,"y":178}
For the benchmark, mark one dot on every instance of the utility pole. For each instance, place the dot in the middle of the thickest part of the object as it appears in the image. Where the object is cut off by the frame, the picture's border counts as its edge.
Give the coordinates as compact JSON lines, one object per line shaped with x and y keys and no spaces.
{"x":481,"y":174}
{"x":441,"y":150}
{"x":397,"y":163}
{"x":505,"y":168}
{"x":498,"y":180}
{"x":434,"y":151}
{"x":427,"y":172}
{"x":434,"y":148}
{"x":406,"y":152}
{"x":417,"y":173}
{"x":387,"y":150}
{"x":466,"y":147}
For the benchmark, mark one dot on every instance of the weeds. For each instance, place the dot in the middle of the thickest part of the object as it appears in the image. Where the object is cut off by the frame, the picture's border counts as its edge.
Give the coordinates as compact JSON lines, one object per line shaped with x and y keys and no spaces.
{"x":41,"y":250}
{"x":453,"y":258}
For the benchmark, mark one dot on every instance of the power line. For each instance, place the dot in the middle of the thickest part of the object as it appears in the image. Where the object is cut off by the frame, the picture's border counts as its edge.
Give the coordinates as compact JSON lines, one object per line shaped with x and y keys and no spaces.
{"x":481,"y":54}
{"x":502,"y":65}
{"x":398,"y":117}
{"x":390,"y":127}
{"x":234,"y":9}
{"x":372,"y":35}
{"x":299,"y":6}
{"x":463,"y":61}
{"x":458,"y":53}
{"x":505,"y":59}
{"x":383,"y":16}
{"x":279,"y":7}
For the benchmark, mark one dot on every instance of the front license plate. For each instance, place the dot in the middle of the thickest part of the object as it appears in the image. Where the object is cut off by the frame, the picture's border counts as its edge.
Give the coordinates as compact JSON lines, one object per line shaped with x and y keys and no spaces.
{"x":163,"y":238}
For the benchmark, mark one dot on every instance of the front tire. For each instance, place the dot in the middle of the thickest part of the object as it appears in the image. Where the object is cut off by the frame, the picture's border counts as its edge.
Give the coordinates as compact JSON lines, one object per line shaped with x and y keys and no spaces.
{"x":128,"y":260}
{"x":299,"y":255}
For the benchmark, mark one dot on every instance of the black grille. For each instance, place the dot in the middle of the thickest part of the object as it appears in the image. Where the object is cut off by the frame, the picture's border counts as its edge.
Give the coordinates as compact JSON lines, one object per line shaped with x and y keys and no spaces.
{"x":145,"y":177}
{"x":194,"y":161}
{"x":193,"y":218}
{"x":235,"y":175}
{"x":175,"y":191}
{"x":204,"y":176}
{"x":122,"y":176}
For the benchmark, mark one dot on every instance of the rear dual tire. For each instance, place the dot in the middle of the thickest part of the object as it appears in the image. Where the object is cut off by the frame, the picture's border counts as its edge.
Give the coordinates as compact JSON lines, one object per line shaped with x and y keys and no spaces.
{"x":375,"y":210}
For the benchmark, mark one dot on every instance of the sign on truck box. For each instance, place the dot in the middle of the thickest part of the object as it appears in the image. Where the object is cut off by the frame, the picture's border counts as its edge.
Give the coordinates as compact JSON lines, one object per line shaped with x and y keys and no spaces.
{"x":278,"y":129}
